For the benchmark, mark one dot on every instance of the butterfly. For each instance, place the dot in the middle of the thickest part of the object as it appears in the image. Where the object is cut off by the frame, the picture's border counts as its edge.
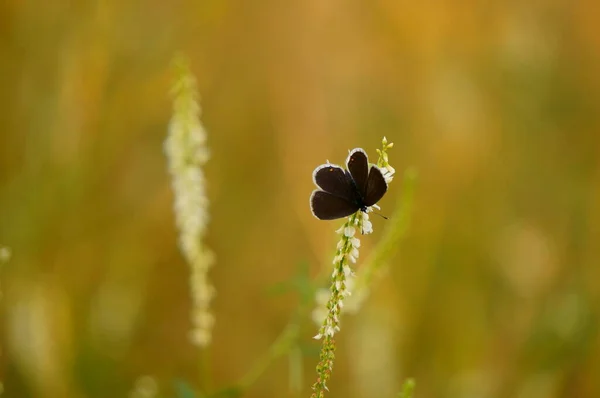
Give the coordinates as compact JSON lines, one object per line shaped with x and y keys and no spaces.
{"x":344,"y":192}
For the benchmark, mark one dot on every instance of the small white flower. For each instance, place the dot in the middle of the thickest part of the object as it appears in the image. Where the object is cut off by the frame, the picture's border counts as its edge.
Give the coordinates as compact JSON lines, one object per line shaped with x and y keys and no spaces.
{"x":322,"y":296}
{"x":352,"y":258}
{"x":354,"y":253}
{"x":348,"y":273}
{"x":319,"y":314}
{"x":5,"y":254}
{"x":145,"y":387}
{"x":349,"y":232}
{"x":355,"y":302}
{"x":355,"y":242}
{"x":388,"y":173}
{"x":318,"y":336}
{"x":200,"y":337}
{"x":203,"y":318}
{"x":367,"y":227}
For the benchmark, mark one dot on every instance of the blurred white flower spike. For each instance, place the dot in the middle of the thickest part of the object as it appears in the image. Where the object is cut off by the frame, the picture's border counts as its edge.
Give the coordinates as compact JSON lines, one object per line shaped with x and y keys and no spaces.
{"x":186,"y":151}
{"x":5,"y":254}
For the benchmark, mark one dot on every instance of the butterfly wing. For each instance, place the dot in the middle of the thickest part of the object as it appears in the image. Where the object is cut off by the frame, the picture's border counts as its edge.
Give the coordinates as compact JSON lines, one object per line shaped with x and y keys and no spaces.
{"x":334,"y":180}
{"x":376,"y":186}
{"x":326,"y":206}
{"x":358,"y":165}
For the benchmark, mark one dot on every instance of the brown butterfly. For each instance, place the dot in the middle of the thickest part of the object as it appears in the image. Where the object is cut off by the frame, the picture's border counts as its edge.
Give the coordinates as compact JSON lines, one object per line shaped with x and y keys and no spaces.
{"x":344,"y":192}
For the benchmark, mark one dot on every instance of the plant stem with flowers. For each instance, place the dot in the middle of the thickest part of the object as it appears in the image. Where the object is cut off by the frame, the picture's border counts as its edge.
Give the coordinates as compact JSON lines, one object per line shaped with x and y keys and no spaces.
{"x":342,"y":276}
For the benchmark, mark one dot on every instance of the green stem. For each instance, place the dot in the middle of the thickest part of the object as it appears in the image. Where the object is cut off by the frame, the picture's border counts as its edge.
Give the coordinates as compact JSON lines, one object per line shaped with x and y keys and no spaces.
{"x":204,"y":366}
{"x":286,"y":340}
{"x":388,"y":246}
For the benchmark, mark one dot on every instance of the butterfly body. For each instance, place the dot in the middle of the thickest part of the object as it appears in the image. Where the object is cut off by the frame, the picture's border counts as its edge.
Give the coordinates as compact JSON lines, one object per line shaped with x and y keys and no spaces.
{"x":344,"y":192}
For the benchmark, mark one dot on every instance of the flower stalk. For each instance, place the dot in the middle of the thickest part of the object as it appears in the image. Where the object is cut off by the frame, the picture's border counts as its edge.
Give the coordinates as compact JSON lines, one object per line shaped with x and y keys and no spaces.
{"x":186,"y":151}
{"x":342,"y":279}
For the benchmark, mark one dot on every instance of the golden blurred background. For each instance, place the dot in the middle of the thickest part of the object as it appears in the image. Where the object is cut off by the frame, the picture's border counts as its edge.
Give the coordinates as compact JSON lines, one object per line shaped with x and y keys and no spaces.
{"x":495,"y":291}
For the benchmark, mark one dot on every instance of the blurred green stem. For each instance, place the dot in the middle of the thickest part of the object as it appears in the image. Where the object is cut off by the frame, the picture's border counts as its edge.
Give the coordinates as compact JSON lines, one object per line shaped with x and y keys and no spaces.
{"x":205,"y":369}
{"x":408,"y":389}
{"x":388,"y":246}
{"x":284,"y":343}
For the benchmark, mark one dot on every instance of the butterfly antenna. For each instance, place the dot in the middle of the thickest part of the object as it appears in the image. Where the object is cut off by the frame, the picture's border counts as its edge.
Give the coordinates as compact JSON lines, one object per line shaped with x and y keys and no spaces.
{"x":381,"y":215}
